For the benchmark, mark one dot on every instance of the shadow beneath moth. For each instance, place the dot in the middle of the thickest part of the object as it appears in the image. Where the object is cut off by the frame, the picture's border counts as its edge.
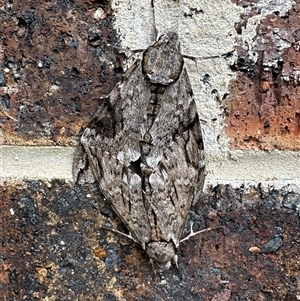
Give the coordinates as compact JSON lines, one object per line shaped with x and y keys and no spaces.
{"x":144,"y":148}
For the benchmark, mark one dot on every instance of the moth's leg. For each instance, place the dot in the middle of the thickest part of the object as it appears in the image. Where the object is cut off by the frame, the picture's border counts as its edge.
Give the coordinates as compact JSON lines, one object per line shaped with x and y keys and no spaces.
{"x":121,"y":233}
{"x":195,"y":59}
{"x":175,"y":261}
{"x":154,"y":29}
{"x":192,"y":233}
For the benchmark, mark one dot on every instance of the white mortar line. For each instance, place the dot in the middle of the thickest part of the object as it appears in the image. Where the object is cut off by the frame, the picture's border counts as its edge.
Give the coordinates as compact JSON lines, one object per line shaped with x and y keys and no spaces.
{"x":276,"y":169}
{"x":36,"y":162}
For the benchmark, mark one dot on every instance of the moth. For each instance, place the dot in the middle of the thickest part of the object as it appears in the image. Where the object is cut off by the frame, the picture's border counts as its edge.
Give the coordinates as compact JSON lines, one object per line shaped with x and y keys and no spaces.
{"x":144,"y":148}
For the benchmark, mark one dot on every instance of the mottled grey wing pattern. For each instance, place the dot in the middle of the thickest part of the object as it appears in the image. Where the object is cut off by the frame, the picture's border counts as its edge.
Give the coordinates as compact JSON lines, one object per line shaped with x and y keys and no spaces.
{"x":121,"y":118}
{"x":110,"y":143}
{"x":178,"y":165}
{"x":177,"y":114}
{"x":123,"y":190}
{"x":144,"y":147}
{"x":173,"y":184}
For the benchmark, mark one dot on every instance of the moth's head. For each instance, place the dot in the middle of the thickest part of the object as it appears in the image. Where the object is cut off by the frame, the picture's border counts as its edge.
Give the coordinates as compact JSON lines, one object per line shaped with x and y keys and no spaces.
{"x":162,"y":253}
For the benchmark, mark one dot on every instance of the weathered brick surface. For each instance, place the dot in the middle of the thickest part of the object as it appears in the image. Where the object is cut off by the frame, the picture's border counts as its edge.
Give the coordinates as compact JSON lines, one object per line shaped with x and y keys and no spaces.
{"x":53,"y":247}
{"x":56,"y":60}
{"x":263,"y":109}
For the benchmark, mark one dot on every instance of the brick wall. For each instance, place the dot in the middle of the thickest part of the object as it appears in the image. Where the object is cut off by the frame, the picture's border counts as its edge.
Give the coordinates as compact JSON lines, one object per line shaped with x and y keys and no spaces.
{"x":57,"y":58}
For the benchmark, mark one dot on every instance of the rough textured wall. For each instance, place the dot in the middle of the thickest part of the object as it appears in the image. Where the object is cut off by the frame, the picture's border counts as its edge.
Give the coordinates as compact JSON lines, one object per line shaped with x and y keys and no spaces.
{"x":263,"y":108}
{"x":52,"y":247}
{"x":57,"y":59}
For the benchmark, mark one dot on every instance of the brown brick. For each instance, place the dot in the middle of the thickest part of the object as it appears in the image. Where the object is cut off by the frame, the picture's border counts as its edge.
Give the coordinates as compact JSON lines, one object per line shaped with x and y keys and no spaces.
{"x":59,"y":60}
{"x":263,"y":108}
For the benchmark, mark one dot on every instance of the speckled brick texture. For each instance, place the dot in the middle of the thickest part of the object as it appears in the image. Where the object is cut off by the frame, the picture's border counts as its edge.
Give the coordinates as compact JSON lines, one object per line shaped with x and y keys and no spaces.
{"x":53,"y":247}
{"x":263,"y":108}
{"x":57,"y":58}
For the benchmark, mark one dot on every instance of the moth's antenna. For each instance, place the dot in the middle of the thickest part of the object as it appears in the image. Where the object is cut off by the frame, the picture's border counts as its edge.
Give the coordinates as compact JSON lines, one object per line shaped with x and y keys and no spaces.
{"x":129,"y":236}
{"x":192,"y":233}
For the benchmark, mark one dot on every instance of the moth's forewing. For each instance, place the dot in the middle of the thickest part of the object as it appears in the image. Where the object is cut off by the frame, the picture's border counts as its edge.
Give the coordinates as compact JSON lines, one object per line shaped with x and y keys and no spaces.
{"x":81,"y":169}
{"x":111,"y":142}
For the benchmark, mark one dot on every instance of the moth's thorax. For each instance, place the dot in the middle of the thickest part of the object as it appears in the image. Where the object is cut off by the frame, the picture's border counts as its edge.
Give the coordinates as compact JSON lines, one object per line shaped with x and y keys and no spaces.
{"x":162,"y":62}
{"x":162,"y":253}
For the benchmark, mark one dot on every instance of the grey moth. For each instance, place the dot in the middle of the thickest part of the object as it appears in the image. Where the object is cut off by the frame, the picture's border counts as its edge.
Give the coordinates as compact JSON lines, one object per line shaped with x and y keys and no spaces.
{"x":144,"y":148}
